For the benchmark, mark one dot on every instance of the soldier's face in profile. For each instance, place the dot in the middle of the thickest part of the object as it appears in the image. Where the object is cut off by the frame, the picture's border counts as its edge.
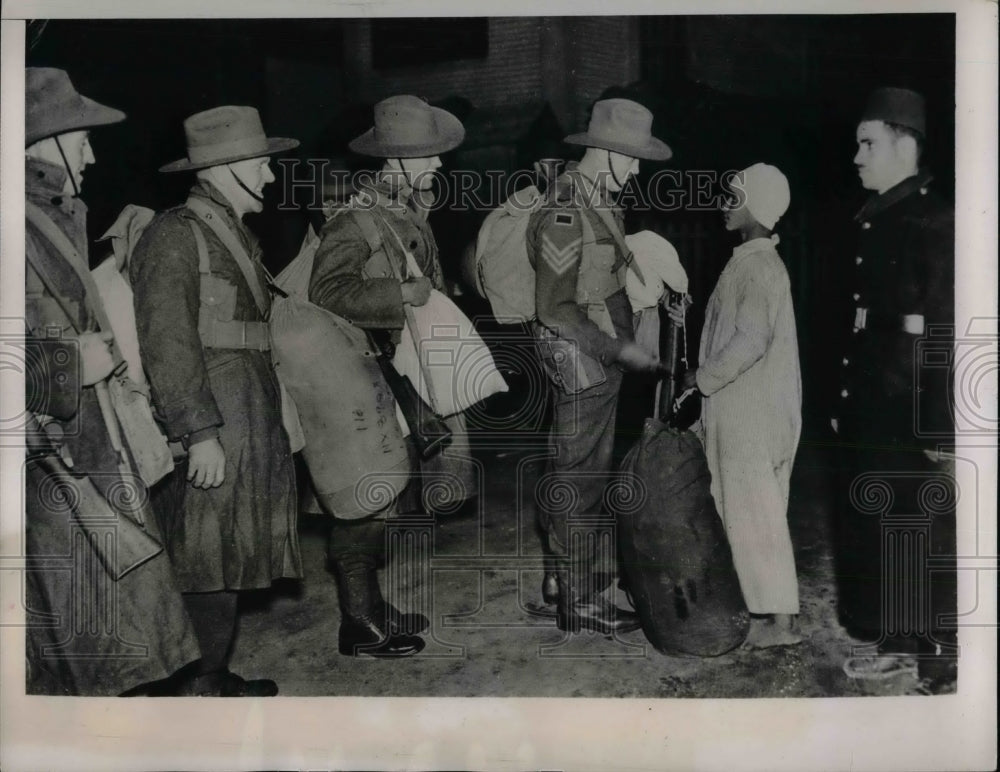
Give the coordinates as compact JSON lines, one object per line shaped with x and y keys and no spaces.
{"x":879,"y":161}
{"x":255,"y":173}
{"x":419,"y":172}
{"x":622,"y":168}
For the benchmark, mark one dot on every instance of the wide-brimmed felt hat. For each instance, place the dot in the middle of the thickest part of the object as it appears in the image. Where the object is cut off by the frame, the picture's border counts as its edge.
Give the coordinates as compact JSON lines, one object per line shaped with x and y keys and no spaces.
{"x":53,"y":106}
{"x":408,"y":127}
{"x":897,"y":105}
{"x":224,"y":135}
{"x":622,"y":126}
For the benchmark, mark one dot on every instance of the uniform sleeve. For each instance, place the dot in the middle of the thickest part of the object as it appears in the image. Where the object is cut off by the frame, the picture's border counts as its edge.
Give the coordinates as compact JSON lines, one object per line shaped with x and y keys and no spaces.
{"x":937,"y":256}
{"x":166,"y":286}
{"x":747,"y":344}
{"x":337,"y":283}
{"x":937,"y":263}
{"x":555,"y":248}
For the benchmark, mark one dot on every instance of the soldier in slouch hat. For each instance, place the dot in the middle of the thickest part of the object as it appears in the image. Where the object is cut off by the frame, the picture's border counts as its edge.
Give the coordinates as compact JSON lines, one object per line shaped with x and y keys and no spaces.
{"x":576,"y":244}
{"x":202,"y":305}
{"x":120,"y":622}
{"x":375,"y":257}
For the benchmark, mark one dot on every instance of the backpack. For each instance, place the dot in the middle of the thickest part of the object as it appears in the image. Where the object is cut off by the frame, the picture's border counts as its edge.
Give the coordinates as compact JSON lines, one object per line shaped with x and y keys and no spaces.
{"x":504,"y":274}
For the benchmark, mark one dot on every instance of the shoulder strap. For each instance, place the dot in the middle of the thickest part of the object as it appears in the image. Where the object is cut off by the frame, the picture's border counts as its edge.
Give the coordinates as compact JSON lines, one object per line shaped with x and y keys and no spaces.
{"x":588,"y":227}
{"x":228,"y":238}
{"x":365,"y":219}
{"x":43,"y":275}
{"x":204,"y":265}
{"x":608,"y":221}
{"x":55,"y":236}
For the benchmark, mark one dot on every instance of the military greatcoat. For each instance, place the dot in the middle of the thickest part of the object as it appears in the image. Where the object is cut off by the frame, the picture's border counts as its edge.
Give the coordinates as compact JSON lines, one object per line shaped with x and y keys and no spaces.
{"x":242,"y":534}
{"x":87,"y":633}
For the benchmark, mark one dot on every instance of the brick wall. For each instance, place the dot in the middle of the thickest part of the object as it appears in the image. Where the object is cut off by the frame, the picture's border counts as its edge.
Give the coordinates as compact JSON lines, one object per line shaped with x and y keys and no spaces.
{"x":509,"y":75}
{"x":530,"y":59}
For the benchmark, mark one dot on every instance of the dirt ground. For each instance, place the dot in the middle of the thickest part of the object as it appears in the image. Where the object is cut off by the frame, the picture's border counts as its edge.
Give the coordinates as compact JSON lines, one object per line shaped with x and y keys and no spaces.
{"x":482,"y":577}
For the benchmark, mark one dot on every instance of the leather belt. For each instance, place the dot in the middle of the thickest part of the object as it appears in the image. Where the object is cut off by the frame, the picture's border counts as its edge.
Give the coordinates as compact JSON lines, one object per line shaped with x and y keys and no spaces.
{"x":877,"y":321}
{"x":239,"y":335}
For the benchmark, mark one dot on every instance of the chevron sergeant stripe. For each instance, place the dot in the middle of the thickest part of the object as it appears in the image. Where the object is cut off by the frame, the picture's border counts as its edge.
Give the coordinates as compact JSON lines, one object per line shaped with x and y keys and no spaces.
{"x":560,"y":259}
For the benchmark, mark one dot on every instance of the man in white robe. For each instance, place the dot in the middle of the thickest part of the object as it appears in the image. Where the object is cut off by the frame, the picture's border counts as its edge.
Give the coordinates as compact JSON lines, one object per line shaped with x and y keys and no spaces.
{"x":751,"y":411}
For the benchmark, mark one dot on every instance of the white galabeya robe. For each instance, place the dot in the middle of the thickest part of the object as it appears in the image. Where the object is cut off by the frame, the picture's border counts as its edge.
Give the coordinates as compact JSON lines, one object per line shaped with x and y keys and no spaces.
{"x":751,"y":419}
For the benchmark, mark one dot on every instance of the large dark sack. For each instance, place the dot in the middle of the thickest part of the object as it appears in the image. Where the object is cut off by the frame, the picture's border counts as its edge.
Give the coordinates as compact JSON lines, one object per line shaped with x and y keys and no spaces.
{"x":675,"y":553}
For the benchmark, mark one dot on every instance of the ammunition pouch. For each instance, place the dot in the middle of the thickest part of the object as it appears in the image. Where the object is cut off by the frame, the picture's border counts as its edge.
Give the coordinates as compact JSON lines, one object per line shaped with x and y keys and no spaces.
{"x":570,"y":369}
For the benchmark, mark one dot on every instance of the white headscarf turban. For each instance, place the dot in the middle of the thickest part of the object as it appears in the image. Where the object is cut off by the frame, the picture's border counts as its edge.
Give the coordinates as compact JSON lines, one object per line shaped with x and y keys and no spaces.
{"x":766,"y":191}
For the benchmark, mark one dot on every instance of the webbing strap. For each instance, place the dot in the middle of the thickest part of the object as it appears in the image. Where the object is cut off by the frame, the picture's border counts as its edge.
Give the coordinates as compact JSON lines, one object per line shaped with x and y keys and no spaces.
{"x":228,"y":238}
{"x":605,"y":217}
{"x":54,"y":234}
{"x":204,"y":266}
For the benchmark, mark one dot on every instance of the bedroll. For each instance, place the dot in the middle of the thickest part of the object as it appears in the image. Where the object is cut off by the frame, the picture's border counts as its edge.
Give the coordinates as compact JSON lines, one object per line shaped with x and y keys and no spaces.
{"x":354,"y":449}
{"x":675,"y":553}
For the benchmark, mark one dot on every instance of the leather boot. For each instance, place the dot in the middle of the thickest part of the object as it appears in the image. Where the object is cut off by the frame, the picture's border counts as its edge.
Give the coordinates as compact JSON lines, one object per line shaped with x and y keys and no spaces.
{"x":364,"y":626}
{"x":575,"y":613}
{"x":372,"y":534}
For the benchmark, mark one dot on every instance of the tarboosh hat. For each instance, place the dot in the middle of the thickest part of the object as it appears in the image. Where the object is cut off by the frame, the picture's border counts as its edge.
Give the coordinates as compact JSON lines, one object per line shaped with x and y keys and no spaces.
{"x":897,"y":105}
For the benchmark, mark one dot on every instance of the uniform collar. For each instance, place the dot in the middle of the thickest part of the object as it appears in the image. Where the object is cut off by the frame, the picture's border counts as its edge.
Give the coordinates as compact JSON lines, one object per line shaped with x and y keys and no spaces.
{"x":879,"y":203}
{"x":387,"y":192}
{"x":588,"y":187}
{"x":394,"y":197}
{"x":44,"y":180}
{"x":204,"y":189}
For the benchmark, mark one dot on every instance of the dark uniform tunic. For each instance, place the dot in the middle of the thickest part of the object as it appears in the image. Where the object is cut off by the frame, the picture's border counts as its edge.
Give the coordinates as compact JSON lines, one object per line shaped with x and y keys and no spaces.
{"x":579,"y":296}
{"x":352,"y":282}
{"x":108,"y":636}
{"x":893,"y":403}
{"x":242,"y":534}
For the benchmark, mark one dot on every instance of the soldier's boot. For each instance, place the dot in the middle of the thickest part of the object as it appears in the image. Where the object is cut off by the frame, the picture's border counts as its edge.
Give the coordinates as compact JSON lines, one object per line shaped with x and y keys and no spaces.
{"x":400,"y":623}
{"x":581,"y":608}
{"x":368,"y":626}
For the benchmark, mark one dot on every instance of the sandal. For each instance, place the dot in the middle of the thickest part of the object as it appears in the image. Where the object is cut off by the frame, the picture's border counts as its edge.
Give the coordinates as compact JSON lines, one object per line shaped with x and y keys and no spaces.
{"x":879,"y":667}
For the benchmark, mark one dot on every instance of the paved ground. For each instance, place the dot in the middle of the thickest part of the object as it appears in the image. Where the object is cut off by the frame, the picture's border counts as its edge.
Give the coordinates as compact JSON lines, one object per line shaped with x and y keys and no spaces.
{"x":483,"y":576}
